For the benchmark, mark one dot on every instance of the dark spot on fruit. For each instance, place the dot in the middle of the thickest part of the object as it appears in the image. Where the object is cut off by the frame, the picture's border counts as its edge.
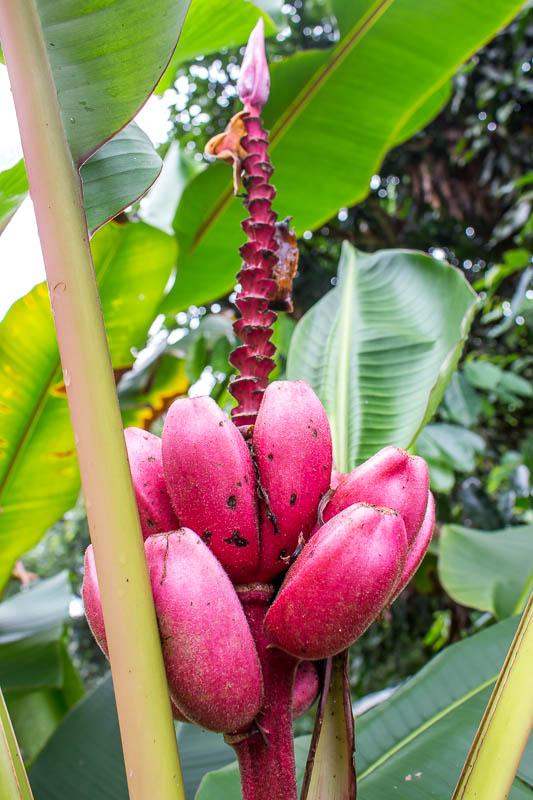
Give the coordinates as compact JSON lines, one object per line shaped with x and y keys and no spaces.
{"x":151,"y":459}
{"x":315,"y":433}
{"x":239,"y":484}
{"x":283,"y":555}
{"x":236,"y":539}
{"x":207,"y":536}
{"x":221,"y":423}
{"x":293,"y":499}
{"x":150,"y":523}
{"x":232,"y":501}
{"x":270,"y":456}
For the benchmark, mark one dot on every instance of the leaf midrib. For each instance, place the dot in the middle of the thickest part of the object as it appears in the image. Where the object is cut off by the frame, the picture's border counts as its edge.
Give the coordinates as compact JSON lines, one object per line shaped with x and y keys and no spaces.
{"x":427,"y":724}
{"x":363,"y":26}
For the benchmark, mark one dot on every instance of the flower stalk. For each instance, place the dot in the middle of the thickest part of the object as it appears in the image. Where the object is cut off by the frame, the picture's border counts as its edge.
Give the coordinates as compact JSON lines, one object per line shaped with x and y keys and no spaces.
{"x":147,"y":731}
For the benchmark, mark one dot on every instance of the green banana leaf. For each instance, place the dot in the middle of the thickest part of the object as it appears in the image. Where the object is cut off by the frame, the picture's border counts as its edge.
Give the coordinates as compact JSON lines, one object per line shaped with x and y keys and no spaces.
{"x":333,"y":115}
{"x":113,"y":178}
{"x":13,"y":778}
{"x":210,"y":26}
{"x":106,"y":58}
{"x":13,"y":190}
{"x":380,"y":347}
{"x":488,"y":570}
{"x":39,"y":477}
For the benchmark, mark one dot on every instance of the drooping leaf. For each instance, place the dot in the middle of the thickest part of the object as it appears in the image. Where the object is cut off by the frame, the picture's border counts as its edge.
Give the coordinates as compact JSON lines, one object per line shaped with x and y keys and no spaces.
{"x":13,"y":190}
{"x":112,"y":178}
{"x":213,"y":25}
{"x":118,"y":174}
{"x":328,"y":128}
{"x":488,"y":570}
{"x":36,"y":437}
{"x":105,"y":59}
{"x":380,"y":347}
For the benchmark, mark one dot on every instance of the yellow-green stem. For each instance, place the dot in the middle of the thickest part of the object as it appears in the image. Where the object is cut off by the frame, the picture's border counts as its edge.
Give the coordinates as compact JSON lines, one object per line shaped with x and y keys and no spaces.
{"x":14,"y":783}
{"x":503,"y":733}
{"x":147,"y":731}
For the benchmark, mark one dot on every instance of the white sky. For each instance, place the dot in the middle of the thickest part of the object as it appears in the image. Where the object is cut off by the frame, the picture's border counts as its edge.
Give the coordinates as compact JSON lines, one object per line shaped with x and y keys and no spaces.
{"x":21,"y":264}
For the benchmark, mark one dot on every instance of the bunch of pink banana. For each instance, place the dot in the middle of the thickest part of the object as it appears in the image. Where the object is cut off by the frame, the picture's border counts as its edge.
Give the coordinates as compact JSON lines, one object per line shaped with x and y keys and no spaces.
{"x":229,"y":505}
{"x":220,"y":516}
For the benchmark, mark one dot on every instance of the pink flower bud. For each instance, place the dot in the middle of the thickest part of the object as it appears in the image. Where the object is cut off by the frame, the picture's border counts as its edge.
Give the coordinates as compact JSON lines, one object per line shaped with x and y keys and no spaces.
{"x":211,"y":482}
{"x":392,"y":478}
{"x":253,"y":85}
{"x":146,"y":465}
{"x":292,"y":449}
{"x":339,"y":584}
{"x":306,"y":688}
{"x":212,"y":665}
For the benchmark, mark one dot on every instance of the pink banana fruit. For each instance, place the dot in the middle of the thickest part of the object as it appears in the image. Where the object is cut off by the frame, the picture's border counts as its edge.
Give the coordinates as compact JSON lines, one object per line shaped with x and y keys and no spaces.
{"x":292,"y":449}
{"x":211,"y":483}
{"x":392,"y":478}
{"x":212,"y":665}
{"x":146,"y":465}
{"x":418,"y":548}
{"x":339,"y":584}
{"x":95,"y":618}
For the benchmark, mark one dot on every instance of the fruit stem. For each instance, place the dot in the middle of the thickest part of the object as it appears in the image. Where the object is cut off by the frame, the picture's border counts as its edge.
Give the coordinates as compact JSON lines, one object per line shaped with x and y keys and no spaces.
{"x":266,"y":755}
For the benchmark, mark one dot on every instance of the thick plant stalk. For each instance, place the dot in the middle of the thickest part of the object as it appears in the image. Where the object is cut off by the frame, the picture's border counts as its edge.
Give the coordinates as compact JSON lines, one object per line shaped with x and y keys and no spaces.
{"x":14,"y":784}
{"x":147,"y":731}
{"x":266,"y":756}
{"x":503,"y":733}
